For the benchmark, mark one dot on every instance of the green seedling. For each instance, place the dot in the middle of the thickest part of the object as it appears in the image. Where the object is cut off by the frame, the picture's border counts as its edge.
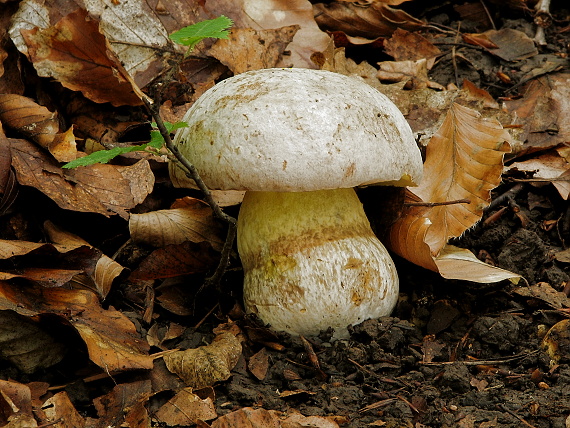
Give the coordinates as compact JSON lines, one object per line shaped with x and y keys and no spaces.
{"x":190,"y":36}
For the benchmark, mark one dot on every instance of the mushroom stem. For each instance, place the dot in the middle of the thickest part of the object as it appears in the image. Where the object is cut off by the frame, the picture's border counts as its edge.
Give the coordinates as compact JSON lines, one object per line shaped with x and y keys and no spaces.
{"x":311,"y":261}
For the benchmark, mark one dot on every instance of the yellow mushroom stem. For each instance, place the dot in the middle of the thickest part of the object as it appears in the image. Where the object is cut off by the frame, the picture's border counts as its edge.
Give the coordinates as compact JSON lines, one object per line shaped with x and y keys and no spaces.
{"x":311,"y":261}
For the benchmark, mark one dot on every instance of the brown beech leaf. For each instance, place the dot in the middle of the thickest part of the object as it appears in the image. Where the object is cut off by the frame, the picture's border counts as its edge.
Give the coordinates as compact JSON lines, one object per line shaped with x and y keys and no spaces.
{"x":512,"y":45}
{"x":102,"y":189}
{"x":369,"y":21}
{"x":258,"y":364}
{"x":193,"y":221}
{"x":206,"y":365}
{"x":111,"y":338}
{"x":43,"y":276}
{"x":544,"y":112}
{"x":16,"y":403}
{"x":549,"y":165}
{"x":261,"y":418}
{"x":29,"y":118}
{"x":176,"y":260}
{"x":247,"y":49}
{"x":407,"y":46}
{"x":464,"y":160}
{"x":185,"y":408}
{"x":26,"y":345}
{"x":60,"y":408}
{"x":106,"y":269}
{"x":415,"y":72}
{"x":125,"y":405}
{"x":77,"y":54}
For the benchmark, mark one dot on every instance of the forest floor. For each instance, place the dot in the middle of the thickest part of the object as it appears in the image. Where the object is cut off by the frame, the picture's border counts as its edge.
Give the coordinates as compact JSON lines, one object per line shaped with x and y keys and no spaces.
{"x":454,"y":353}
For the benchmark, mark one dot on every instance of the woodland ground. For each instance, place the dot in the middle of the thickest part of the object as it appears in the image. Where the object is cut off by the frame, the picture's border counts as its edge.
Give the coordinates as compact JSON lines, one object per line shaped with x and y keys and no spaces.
{"x":453,"y":353}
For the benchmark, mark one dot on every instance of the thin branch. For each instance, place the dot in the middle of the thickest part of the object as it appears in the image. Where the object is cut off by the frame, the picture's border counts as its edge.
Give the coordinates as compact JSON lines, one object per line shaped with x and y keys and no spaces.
{"x":193,"y":174}
{"x":437,"y":204}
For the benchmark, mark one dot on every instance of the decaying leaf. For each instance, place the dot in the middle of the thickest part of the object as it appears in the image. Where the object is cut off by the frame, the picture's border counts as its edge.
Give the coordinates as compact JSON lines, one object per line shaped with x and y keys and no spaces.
{"x":247,"y":49}
{"x":407,"y":46}
{"x":512,"y":45}
{"x":76,"y":53}
{"x":261,"y":418}
{"x":206,"y":365}
{"x":544,"y":112}
{"x":59,"y":410}
{"x":191,"y":221}
{"x":544,"y":291}
{"x":370,"y":21}
{"x":550,"y":166}
{"x":464,"y":160}
{"x":185,"y":408}
{"x":102,"y":189}
{"x":106,"y":269}
{"x":414,"y":73}
{"x":16,"y":404}
{"x":112,"y":340}
{"x":29,"y":118}
{"x":175,"y":260}
{"x":556,"y":343}
{"x":26,"y":345}
{"x":125,"y":405}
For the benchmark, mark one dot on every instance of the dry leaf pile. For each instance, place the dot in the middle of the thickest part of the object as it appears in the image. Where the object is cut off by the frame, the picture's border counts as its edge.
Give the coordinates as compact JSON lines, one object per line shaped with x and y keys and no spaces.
{"x":104,"y":265}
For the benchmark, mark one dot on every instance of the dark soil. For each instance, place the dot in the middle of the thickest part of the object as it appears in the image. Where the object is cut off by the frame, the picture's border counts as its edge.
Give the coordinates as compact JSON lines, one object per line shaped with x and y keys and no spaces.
{"x":453,"y":354}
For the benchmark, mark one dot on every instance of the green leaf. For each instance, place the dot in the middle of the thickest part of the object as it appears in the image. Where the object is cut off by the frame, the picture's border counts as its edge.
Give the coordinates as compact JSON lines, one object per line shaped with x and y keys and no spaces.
{"x":216,"y":28}
{"x":156,"y":140}
{"x":103,"y":156}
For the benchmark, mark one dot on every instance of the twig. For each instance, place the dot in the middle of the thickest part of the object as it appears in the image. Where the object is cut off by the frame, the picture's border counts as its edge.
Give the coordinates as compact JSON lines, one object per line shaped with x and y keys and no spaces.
{"x":437,"y":204}
{"x":482,"y":362}
{"x":488,"y":14}
{"x":193,"y":174}
{"x":511,"y":193}
{"x":510,"y":412}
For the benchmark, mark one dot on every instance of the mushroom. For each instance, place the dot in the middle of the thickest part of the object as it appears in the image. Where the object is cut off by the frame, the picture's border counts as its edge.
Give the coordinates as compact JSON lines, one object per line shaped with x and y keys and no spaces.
{"x":299,"y":141}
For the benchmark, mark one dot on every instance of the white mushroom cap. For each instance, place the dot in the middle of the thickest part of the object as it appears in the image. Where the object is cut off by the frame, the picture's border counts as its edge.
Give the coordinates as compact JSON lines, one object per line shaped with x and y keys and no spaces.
{"x":297,"y":130}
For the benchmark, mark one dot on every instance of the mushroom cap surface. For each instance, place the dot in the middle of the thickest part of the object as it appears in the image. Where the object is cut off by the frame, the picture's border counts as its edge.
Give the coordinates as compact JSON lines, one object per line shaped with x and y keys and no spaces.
{"x":296,"y":130}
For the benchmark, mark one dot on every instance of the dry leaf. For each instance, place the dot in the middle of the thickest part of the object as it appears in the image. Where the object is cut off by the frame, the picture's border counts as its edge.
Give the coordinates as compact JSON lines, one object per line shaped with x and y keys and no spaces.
{"x":261,"y":418}
{"x":406,"y":46}
{"x":106,"y":269}
{"x":26,"y":345}
{"x":549,"y":165}
{"x":247,"y":49}
{"x":46,"y":277}
{"x":60,"y":412}
{"x":29,"y":118}
{"x":458,"y":263}
{"x":544,"y":291}
{"x":371,"y":21}
{"x":464,"y":159}
{"x":206,"y":365}
{"x":271,"y":14}
{"x":102,"y":189}
{"x":111,"y":338}
{"x":414,"y":71}
{"x":192,"y":222}
{"x":175,"y":260}
{"x":125,"y":405}
{"x":75,"y":53}
{"x":16,"y":404}
{"x":544,"y":112}
{"x":185,"y":408}
{"x":258,"y":364}
{"x":513,"y":45}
